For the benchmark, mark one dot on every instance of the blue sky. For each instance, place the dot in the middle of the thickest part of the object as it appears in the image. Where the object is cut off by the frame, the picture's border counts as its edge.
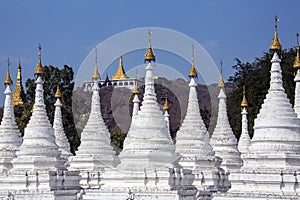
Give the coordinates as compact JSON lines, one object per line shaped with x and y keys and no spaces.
{"x":69,"y":29}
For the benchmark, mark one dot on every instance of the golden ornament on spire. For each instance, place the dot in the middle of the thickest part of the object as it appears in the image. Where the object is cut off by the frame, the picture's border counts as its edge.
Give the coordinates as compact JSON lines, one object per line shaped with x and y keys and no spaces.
{"x":17,"y":99}
{"x":39,"y":67}
{"x":244,"y":101}
{"x":221,"y":81}
{"x":166,"y":105}
{"x":276,"y":46}
{"x":57,"y":93}
{"x":120,"y":74}
{"x":136,"y":89}
{"x":8,"y":79}
{"x":149,"y":56}
{"x":297,"y":58}
{"x":193,"y":71}
{"x":96,"y":74}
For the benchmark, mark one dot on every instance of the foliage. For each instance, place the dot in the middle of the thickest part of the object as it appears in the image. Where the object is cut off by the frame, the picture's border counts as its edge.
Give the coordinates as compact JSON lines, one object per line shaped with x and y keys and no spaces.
{"x":53,"y":77}
{"x":256,"y":78}
{"x":117,"y":139}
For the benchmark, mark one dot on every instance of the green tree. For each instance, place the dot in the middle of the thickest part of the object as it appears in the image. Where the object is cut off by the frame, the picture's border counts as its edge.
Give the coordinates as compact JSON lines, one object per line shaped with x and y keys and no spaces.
{"x":53,"y":77}
{"x":256,"y":78}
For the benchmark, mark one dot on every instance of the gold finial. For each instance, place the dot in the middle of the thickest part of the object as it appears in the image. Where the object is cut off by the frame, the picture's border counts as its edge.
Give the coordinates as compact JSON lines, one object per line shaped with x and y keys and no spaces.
{"x":39,"y":68}
{"x":19,"y":66}
{"x":297,"y":58}
{"x":19,"y":77}
{"x":8,"y":79}
{"x":32,"y":108}
{"x":57,"y":93}
{"x":166,"y":105}
{"x":276,"y":46}
{"x":149,"y":56}
{"x":193,"y":71}
{"x":244,"y":101}
{"x":120,"y":74}
{"x":221,"y":81}
{"x":96,"y":74}
{"x":17,"y":99}
{"x":96,"y":57}
{"x":136,"y":89}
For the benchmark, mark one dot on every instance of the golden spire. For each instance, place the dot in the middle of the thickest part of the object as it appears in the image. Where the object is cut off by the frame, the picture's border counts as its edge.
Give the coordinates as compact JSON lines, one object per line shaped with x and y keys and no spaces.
{"x":19,"y":76}
{"x":166,"y":105}
{"x":17,"y":99}
{"x":276,"y":46}
{"x":8,"y":79}
{"x":136,"y":89}
{"x":297,"y":58}
{"x":57,"y":93}
{"x":244,"y":101}
{"x":39,"y":67}
{"x":149,"y":56}
{"x":120,"y":74}
{"x":96,"y":74}
{"x":221,"y":81}
{"x":193,"y":72}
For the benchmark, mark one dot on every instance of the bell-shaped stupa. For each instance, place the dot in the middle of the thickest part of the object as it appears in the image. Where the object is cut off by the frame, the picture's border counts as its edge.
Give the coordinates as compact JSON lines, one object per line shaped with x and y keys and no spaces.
{"x":38,"y":150}
{"x":244,"y":141}
{"x":38,"y":170}
{"x":223,"y":140}
{"x":95,"y":151}
{"x":271,"y":166}
{"x":149,"y":167}
{"x":60,"y":135}
{"x":10,"y":136}
{"x":192,"y":143}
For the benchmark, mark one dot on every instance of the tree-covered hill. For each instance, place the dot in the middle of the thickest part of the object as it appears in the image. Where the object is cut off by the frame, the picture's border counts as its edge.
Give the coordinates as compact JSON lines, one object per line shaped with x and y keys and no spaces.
{"x":116,"y":103}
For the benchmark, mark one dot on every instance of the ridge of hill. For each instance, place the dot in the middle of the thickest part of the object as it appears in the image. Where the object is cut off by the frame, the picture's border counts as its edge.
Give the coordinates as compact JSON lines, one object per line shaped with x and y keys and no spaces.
{"x":116,"y":106}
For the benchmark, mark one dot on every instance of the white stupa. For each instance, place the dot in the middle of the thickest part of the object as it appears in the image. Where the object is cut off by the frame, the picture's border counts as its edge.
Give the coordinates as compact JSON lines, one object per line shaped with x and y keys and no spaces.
{"x":136,"y":101}
{"x":192,"y":143}
{"x":297,"y":82}
{"x":148,"y":143}
{"x":60,"y":135}
{"x":95,"y":151}
{"x":244,"y":141}
{"x":38,"y":170}
{"x":166,"y":107}
{"x":271,"y":167}
{"x":223,"y":140}
{"x":38,"y":150}
{"x":10,"y":136}
{"x":148,"y":167}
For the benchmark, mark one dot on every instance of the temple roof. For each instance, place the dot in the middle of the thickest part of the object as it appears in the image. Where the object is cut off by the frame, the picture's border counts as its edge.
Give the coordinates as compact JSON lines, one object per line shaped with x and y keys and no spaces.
{"x":120,"y":74}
